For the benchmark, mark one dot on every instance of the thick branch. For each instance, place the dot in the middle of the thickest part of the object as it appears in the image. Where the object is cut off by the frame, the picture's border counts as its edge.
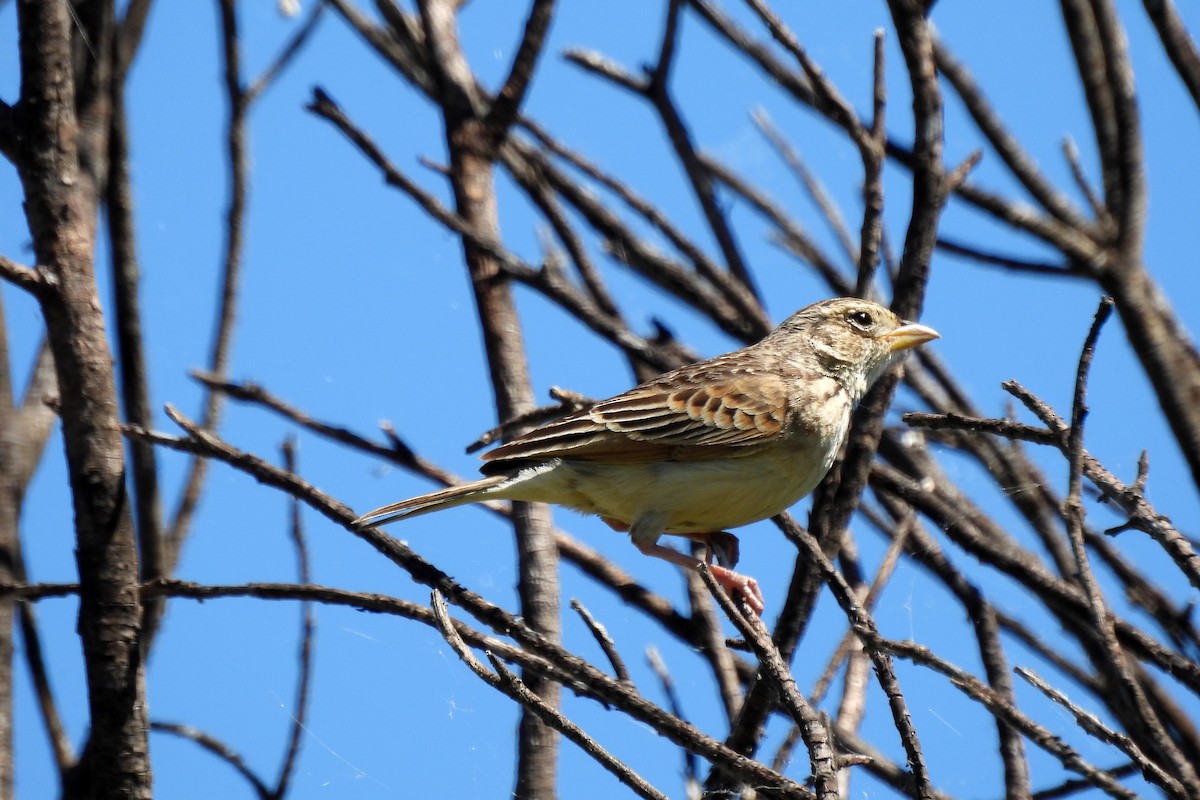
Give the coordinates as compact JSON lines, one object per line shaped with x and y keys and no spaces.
{"x":60,"y":206}
{"x":470,"y":142}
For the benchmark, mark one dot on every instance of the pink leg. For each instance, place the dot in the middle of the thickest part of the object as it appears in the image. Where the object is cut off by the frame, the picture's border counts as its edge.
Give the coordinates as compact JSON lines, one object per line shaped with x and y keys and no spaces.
{"x":734,"y":584}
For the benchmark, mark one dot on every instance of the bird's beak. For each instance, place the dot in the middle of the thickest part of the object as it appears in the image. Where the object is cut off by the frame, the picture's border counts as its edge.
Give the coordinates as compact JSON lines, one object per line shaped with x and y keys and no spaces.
{"x":910,"y":334}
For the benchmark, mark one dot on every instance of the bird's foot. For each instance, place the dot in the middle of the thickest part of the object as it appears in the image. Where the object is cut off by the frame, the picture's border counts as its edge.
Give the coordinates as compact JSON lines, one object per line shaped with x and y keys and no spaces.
{"x":734,"y":584}
{"x":737,"y":585}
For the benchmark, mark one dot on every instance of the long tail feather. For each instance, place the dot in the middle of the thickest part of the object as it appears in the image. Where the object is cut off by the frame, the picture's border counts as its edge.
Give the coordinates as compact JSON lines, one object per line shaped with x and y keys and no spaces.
{"x":434,"y":501}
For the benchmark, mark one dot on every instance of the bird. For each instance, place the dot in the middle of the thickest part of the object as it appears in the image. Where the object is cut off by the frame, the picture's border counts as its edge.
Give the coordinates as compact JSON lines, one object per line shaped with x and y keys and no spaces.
{"x":708,"y":446}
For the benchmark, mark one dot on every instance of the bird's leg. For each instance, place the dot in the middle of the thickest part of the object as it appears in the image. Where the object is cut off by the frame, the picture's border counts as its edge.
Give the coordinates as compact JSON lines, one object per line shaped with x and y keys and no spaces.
{"x":645,"y":532}
{"x":735,"y":584}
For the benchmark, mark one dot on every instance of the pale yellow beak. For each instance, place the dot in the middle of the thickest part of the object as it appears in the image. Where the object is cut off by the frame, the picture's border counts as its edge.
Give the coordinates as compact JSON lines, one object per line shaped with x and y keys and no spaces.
{"x":910,"y":334}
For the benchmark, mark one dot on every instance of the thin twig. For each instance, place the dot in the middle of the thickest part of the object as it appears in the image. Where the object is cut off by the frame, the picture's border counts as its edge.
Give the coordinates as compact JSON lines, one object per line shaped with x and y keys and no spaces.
{"x":510,"y":685}
{"x":968,"y":527}
{"x":812,"y":728}
{"x":871,"y":233}
{"x":35,"y":660}
{"x":134,"y":374}
{"x":825,"y":96}
{"x":1092,"y":725}
{"x":1004,"y":709}
{"x":694,"y":287}
{"x":741,"y":291}
{"x":1007,"y":262}
{"x":1019,"y":162}
{"x":850,"y":641}
{"x":308,"y":625}
{"x":562,"y":292}
{"x":1078,"y":785}
{"x":219,"y":749}
{"x":1179,"y":45}
{"x":287,"y":54}
{"x":709,"y":626}
{"x":1007,"y":428}
{"x":31,"y":279}
{"x":221,"y":345}
{"x":812,"y":185}
{"x":675,"y":703}
{"x":602,"y":637}
{"x":1142,"y":515}
{"x":1139,"y":715}
{"x":507,"y":103}
{"x":1071,"y":154}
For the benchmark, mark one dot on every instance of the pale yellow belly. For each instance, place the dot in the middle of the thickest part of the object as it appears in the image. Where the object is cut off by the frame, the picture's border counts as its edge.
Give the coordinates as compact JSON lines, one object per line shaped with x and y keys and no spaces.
{"x":692,"y":496}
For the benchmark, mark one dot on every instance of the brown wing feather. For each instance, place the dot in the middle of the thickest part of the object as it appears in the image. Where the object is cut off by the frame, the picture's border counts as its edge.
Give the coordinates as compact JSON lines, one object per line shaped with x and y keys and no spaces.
{"x":693,"y":413}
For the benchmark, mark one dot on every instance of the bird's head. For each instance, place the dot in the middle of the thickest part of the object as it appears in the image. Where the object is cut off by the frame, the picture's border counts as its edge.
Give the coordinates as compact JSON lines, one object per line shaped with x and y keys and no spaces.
{"x":852,"y":339}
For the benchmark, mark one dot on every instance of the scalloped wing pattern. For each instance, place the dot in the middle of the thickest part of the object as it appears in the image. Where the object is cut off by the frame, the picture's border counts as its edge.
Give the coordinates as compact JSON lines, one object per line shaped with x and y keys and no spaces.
{"x":688,"y":414}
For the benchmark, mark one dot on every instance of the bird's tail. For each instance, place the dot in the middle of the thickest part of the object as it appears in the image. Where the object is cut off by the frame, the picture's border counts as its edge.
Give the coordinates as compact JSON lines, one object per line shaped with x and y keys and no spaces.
{"x":434,"y":501}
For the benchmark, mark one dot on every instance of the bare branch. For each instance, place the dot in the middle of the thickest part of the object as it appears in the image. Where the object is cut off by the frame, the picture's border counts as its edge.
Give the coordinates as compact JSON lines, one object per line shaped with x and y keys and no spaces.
{"x":219,"y":749}
{"x":1001,"y":427}
{"x":790,"y":235}
{"x":289,"y":52}
{"x":35,"y":661}
{"x":812,"y":728}
{"x":1142,"y":515}
{"x":929,"y":181}
{"x":471,"y":136}
{"x":504,"y":109}
{"x":738,"y":291}
{"x":864,"y":626}
{"x":1092,"y":725}
{"x":28,"y":278}
{"x":1008,"y":262}
{"x":134,"y":373}
{"x":1071,"y":153}
{"x":871,"y":234}
{"x":308,"y":626}
{"x":741,"y":293}
{"x":238,"y":104}
{"x":710,"y":631}
{"x":1178,"y":44}
{"x":1138,"y":714}
{"x":1004,"y":709}
{"x":602,"y":637}
{"x":59,"y":156}
{"x":673,"y":702}
{"x":513,"y":687}
{"x":969,"y":528}
{"x":827,"y":99}
{"x":1019,"y":162}
{"x":812,"y":185}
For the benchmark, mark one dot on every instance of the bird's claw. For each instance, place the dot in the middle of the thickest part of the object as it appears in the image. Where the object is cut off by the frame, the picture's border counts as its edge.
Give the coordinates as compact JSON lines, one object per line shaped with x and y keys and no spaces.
{"x":737,"y":585}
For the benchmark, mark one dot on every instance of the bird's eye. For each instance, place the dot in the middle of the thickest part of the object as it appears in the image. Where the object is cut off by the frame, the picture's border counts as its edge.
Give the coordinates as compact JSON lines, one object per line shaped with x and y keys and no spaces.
{"x":861,"y":319}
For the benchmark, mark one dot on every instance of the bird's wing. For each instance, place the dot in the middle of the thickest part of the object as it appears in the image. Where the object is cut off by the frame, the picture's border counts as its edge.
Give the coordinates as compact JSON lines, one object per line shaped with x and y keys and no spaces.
{"x":693,"y":413}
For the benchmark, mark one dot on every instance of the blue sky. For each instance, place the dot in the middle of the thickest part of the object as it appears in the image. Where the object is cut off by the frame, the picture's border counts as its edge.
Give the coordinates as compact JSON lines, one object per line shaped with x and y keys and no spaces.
{"x":356,"y":308}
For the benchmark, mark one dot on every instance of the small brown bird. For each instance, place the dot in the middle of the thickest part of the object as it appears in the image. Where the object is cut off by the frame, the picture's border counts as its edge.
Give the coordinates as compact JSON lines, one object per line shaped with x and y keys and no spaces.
{"x":705,"y":447}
